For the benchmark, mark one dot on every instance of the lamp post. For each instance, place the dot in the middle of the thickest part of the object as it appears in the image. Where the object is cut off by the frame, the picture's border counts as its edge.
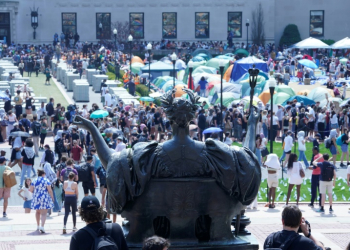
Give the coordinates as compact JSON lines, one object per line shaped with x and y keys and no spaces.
{"x":221,"y":68}
{"x":272,"y":85}
{"x":149,"y":49}
{"x":130,"y":38}
{"x":115,"y":32}
{"x":34,"y":20}
{"x":253,"y":77}
{"x":190,"y":67}
{"x":247,"y":24}
{"x":173,"y":59}
{"x":100,"y":27}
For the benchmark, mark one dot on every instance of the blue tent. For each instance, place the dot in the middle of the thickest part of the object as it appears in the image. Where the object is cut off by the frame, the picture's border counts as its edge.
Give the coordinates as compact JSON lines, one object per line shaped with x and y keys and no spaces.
{"x":300,"y":98}
{"x":241,"y":67}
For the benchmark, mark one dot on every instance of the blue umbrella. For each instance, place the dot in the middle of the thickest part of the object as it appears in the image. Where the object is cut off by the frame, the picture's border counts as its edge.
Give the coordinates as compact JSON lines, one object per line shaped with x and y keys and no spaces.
{"x":212,"y":130}
{"x":147,"y":99}
{"x":99,"y":114}
{"x":308,"y":63}
{"x":3,"y":96}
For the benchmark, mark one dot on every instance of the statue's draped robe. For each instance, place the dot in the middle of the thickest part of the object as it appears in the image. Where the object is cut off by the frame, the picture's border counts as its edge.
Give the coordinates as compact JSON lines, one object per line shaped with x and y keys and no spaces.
{"x":235,"y":169}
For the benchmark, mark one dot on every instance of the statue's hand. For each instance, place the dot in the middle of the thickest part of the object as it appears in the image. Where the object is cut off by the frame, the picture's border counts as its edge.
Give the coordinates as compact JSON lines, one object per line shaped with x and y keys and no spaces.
{"x":80,"y":121}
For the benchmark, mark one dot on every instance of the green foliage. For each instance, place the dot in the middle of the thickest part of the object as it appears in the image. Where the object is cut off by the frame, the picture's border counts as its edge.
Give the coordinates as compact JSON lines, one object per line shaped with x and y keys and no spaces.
{"x":142,"y":89}
{"x":110,"y":68}
{"x":111,"y":76}
{"x":157,"y":102}
{"x":328,"y":41}
{"x":290,"y":35}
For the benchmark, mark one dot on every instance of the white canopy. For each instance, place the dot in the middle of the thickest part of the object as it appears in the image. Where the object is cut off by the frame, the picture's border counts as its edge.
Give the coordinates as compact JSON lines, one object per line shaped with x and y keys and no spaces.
{"x":342,"y":44}
{"x":311,"y":43}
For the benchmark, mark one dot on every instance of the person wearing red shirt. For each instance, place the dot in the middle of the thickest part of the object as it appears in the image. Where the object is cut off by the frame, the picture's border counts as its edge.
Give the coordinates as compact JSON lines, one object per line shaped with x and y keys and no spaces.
{"x":315,"y":178}
{"x":76,"y":152}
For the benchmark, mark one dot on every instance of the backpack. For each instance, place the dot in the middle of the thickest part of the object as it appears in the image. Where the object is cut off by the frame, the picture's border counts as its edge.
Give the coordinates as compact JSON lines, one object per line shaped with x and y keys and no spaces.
{"x":9,"y":177}
{"x":293,"y":112}
{"x":24,"y":123}
{"x":102,"y":241}
{"x":67,"y":115}
{"x":328,"y":143}
{"x":339,"y":140}
{"x":122,"y":121}
{"x":327,"y":171}
{"x":66,"y":173}
{"x":36,"y":128}
{"x":84,"y":173}
{"x":142,"y":138}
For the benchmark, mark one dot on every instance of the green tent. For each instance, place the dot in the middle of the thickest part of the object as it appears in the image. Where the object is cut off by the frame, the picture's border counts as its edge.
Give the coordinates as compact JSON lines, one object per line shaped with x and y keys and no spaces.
{"x":187,"y":71}
{"x":280,"y":98}
{"x":227,"y":98}
{"x":215,"y":62}
{"x":202,"y":69}
{"x":285,"y":89}
{"x":242,"y":52}
{"x":136,"y":67}
{"x":160,"y":80}
{"x":319,"y":94}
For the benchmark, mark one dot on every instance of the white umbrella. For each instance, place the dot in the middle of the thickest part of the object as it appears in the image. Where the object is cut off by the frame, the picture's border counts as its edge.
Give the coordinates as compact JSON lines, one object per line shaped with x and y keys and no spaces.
{"x":156,"y":94}
{"x":311,"y":43}
{"x":342,"y":44}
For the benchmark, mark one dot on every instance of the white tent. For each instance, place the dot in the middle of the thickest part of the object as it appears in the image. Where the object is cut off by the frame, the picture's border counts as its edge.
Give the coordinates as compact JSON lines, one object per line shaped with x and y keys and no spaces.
{"x":342,"y":44}
{"x":311,"y":43}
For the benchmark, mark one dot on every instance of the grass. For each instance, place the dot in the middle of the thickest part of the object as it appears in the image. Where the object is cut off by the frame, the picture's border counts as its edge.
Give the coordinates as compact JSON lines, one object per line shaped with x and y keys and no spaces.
{"x":340,"y":191}
{"x":40,"y":89}
{"x":277,"y":149}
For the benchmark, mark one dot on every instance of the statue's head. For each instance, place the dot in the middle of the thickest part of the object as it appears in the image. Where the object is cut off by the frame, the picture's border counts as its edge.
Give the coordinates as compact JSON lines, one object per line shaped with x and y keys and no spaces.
{"x":180,"y":110}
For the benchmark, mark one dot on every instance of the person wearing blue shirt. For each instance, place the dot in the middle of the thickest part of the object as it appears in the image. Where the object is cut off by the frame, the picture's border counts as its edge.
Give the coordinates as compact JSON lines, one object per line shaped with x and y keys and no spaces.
{"x":203,"y":85}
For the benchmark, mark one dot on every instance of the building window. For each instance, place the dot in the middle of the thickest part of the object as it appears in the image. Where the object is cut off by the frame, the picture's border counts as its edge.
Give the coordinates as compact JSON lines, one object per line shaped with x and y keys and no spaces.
{"x":202,"y":25}
{"x":105,"y":20}
{"x":235,"y":24}
{"x":137,"y":25}
{"x":317,"y":23}
{"x":169,"y":22}
{"x":69,"y":23}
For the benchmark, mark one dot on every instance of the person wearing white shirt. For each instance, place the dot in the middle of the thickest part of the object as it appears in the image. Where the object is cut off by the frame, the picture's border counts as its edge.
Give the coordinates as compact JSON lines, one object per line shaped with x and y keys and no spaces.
{"x":84,"y":111}
{"x":41,"y":111}
{"x":288,"y":145}
{"x":275,"y":126}
{"x":108,"y":99}
{"x":321,"y":123}
{"x":120,"y":145}
{"x":280,"y":114}
{"x":311,"y":117}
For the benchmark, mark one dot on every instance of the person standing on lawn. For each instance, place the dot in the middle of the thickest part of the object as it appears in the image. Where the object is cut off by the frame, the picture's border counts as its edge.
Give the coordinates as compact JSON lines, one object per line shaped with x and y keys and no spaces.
{"x":288,"y":145}
{"x":344,"y":148}
{"x":327,"y":181}
{"x":273,"y":166}
{"x":315,"y":177}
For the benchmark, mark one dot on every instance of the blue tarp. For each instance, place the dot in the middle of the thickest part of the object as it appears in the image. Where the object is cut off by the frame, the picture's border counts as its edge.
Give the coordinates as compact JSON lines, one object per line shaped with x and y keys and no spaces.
{"x":241,"y":67}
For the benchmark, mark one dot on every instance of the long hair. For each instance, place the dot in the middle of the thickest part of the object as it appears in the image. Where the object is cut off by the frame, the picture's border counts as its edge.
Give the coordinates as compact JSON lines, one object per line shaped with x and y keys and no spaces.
{"x":292,"y":158}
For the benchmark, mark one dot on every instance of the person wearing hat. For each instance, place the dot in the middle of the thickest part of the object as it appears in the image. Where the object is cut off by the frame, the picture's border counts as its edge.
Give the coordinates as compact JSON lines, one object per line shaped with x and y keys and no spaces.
{"x":120,"y":144}
{"x":273,"y":166}
{"x":92,"y":213}
{"x":5,"y":192}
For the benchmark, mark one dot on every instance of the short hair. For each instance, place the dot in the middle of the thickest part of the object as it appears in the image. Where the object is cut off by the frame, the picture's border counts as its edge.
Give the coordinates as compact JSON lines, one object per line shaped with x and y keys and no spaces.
{"x":29,"y":142}
{"x":40,"y":172}
{"x":155,"y":243}
{"x":71,"y":175}
{"x":63,"y":159}
{"x":24,"y":115}
{"x":89,"y":158}
{"x":35,"y":117}
{"x":291,"y":216}
{"x":91,"y":216}
{"x":69,"y":162}
{"x":326,"y":156}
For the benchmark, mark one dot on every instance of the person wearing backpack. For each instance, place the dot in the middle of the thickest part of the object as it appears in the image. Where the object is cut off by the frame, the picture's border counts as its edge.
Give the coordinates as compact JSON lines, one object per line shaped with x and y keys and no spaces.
{"x":69,"y":168}
{"x":5,"y":192}
{"x":327,"y":181}
{"x":344,"y":138}
{"x":25,"y":122}
{"x":48,"y":156}
{"x":87,"y":177}
{"x":36,"y":128}
{"x":97,"y":232}
{"x":101,"y":174}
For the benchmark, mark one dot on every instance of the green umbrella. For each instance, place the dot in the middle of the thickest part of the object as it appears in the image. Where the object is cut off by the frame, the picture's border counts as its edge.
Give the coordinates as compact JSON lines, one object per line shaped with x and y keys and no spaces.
{"x":285,"y":89}
{"x":241,"y":51}
{"x":99,"y":114}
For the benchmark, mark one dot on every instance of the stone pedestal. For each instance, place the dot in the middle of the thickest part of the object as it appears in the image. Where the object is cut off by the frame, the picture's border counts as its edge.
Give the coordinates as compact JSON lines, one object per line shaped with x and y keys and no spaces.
{"x":64,"y":73}
{"x":75,"y":82}
{"x":111,"y":84}
{"x":15,"y":83}
{"x":89,"y":74}
{"x":9,"y":68}
{"x":4,"y":85}
{"x":70,"y":77}
{"x":96,"y":82}
{"x":81,"y":93}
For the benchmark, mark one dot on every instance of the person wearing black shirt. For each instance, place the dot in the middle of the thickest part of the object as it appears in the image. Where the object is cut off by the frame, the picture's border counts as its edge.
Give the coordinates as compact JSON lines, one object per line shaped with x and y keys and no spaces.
{"x":117,"y":71}
{"x":92,"y":213}
{"x":292,"y":219}
{"x":201,"y":123}
{"x":344,"y":148}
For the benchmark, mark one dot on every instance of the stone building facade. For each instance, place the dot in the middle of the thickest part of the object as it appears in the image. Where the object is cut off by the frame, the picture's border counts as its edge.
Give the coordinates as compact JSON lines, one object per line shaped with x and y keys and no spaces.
{"x":184,"y":20}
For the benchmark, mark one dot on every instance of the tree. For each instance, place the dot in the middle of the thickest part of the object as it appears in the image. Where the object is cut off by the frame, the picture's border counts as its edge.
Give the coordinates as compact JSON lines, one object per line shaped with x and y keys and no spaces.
{"x":290,"y":35}
{"x":258,"y":33}
{"x":123,"y":31}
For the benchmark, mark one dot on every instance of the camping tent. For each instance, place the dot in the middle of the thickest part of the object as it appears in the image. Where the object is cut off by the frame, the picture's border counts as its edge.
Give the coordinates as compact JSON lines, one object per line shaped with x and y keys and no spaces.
{"x":241,"y":67}
{"x":136,"y":59}
{"x":319,"y":94}
{"x":159,"y":69}
{"x":299,"y":98}
{"x":285,"y":89}
{"x":215,"y":62}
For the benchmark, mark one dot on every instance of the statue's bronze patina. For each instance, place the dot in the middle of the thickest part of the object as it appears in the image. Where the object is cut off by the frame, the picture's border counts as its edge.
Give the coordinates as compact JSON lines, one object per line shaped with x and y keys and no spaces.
{"x":184,"y":190}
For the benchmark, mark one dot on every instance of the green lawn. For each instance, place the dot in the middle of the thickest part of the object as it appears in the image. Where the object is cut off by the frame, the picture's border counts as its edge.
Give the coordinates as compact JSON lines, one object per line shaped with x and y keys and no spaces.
{"x":340,"y":191}
{"x":40,"y":89}
{"x":277,"y":149}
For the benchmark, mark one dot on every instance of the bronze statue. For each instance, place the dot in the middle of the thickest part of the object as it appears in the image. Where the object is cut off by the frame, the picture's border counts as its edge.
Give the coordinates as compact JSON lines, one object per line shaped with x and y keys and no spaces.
{"x":184,"y":190}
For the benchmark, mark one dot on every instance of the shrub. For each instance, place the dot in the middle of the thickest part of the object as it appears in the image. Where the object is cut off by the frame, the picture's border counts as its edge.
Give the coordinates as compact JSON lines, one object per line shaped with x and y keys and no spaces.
{"x":142,"y":89}
{"x":290,"y":35}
